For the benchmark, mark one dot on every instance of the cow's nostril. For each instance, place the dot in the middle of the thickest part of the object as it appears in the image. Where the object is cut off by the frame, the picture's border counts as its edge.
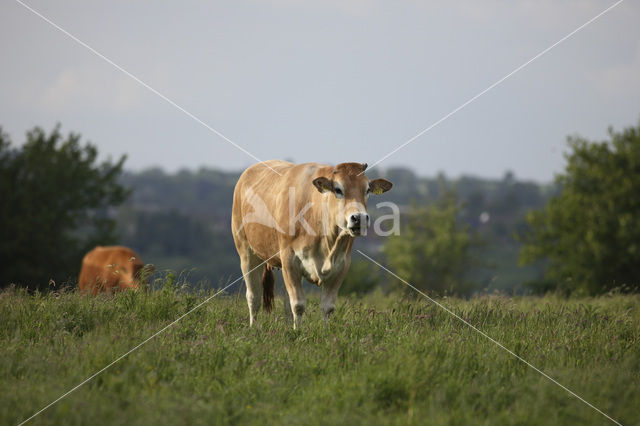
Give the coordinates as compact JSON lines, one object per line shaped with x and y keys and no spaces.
{"x":355,"y":218}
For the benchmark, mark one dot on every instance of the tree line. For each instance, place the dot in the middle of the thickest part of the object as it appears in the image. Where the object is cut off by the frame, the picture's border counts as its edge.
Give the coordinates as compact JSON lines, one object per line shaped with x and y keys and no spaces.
{"x":579,"y":234}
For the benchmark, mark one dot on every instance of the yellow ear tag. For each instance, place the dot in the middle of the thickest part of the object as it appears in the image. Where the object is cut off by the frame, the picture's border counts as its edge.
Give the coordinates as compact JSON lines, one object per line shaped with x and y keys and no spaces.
{"x":377,"y":191}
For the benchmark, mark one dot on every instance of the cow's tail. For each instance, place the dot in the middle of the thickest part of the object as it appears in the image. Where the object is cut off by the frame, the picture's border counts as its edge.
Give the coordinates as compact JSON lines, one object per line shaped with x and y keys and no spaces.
{"x":268,"y":285}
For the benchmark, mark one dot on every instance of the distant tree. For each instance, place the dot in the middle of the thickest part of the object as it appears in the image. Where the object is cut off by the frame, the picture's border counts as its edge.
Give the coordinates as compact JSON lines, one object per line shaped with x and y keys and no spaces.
{"x":432,"y":251}
{"x":169,"y":234}
{"x":590,"y":232}
{"x":180,"y":242}
{"x":360,"y":279}
{"x":54,"y":206}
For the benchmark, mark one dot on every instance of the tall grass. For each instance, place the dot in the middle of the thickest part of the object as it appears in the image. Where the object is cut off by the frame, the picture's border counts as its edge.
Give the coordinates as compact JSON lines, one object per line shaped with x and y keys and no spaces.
{"x":383,"y":359}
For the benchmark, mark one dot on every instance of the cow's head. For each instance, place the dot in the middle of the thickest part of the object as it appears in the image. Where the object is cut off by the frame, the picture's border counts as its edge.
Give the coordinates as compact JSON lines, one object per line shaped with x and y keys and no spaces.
{"x":141,"y":275}
{"x":348,"y":190}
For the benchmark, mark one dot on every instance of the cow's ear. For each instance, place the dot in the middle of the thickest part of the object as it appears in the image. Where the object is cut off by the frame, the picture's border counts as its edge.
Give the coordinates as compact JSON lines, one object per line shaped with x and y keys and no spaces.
{"x":323,"y":184}
{"x":378,"y":186}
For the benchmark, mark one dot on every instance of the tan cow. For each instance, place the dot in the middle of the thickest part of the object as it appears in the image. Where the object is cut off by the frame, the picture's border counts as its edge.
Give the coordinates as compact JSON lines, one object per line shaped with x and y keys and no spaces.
{"x":303,"y":221}
{"x":109,"y":269}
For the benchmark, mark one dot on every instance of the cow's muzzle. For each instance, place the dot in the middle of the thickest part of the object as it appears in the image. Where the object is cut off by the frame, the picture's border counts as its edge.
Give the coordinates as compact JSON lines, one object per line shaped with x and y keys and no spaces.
{"x":358,"y":223}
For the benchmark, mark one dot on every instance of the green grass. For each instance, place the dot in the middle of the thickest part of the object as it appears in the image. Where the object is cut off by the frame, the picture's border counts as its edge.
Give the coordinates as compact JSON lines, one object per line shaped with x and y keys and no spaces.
{"x":381,"y":360}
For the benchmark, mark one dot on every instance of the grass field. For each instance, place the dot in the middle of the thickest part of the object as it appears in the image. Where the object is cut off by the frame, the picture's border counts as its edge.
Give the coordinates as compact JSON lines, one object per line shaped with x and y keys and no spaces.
{"x":383,"y":359}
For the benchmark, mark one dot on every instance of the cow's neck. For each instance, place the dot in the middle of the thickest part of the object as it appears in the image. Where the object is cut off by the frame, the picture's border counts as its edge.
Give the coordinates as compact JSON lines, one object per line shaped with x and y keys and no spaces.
{"x":337,"y":244}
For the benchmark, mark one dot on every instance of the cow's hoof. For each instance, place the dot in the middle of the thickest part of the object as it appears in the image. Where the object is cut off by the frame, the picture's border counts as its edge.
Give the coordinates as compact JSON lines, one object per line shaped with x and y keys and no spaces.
{"x":298,"y":309}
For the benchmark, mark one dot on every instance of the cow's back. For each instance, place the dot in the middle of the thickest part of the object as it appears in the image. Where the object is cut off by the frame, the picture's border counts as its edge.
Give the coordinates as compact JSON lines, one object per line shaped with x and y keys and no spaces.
{"x":263,"y":230}
{"x":109,"y":268}
{"x":254,"y":232}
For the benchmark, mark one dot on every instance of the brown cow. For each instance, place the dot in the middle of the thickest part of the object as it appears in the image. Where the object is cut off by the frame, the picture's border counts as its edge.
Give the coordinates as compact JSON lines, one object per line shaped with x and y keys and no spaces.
{"x":109,"y":269}
{"x":303,"y":221}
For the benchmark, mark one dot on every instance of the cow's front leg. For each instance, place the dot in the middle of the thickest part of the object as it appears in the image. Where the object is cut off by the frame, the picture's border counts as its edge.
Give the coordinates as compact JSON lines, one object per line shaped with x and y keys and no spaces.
{"x":330,"y":294}
{"x":293,"y":283}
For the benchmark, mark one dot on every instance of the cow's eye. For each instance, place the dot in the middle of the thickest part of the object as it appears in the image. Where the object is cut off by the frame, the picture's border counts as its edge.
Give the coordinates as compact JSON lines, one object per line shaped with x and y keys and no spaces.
{"x":338,"y":191}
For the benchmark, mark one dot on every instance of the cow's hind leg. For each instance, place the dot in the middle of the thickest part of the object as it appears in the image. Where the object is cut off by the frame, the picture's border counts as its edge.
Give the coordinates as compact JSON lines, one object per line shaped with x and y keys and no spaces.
{"x":252,"y":272}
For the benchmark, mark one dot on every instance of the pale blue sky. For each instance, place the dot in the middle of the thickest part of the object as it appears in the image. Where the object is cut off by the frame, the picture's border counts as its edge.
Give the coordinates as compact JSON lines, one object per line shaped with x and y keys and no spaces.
{"x":330,"y":81}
